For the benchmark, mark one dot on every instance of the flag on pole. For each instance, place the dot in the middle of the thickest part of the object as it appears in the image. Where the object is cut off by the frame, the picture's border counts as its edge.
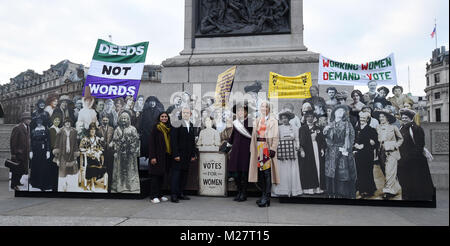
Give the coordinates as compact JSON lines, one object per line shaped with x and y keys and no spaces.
{"x":433,"y":33}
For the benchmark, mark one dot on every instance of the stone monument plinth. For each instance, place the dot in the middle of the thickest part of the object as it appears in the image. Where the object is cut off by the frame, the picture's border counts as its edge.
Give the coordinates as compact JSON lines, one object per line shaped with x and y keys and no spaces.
{"x":212,"y":174}
{"x":256,"y":45}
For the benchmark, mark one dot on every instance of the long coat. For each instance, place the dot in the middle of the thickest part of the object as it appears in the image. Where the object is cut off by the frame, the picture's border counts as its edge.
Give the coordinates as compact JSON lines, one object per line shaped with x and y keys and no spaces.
{"x":240,"y":152}
{"x":183,"y":144}
{"x":364,"y":158}
{"x":272,"y":136}
{"x":308,"y":169}
{"x":20,"y":148}
{"x":67,"y":162}
{"x":413,"y":170}
{"x":157,"y":150}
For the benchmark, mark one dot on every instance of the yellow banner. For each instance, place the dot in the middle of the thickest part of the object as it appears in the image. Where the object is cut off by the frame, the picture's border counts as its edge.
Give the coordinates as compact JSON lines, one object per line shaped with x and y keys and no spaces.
{"x":223,"y":89}
{"x":284,"y":87}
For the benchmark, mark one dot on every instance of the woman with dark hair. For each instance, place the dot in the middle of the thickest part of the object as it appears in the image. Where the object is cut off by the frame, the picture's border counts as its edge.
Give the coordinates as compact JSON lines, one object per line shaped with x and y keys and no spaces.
{"x":340,"y":169}
{"x":160,"y":156}
{"x":413,"y":170}
{"x":40,"y":155}
{"x":358,"y":101}
{"x":92,"y":160}
{"x":366,"y":141}
{"x":152,"y":109}
{"x":40,"y":113}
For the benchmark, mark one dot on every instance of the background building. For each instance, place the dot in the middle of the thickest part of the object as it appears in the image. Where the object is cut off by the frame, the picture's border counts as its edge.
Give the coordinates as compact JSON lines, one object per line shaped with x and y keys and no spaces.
{"x":437,"y":86}
{"x":64,"y":78}
{"x":24,"y":90}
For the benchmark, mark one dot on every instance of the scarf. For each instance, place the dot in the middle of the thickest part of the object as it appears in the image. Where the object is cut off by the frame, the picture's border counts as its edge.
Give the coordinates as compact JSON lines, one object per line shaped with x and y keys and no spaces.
{"x":241,"y":129}
{"x":165,"y":131}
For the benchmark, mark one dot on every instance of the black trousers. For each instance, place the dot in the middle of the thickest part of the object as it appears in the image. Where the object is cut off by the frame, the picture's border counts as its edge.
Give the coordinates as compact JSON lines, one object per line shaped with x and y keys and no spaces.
{"x":178,"y":179}
{"x":156,"y":186}
{"x":15,"y":178}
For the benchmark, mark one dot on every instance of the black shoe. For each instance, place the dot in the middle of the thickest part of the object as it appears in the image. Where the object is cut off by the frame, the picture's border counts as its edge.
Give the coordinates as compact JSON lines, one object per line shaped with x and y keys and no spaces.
{"x":236,"y":198}
{"x":174,"y":199}
{"x":242,"y":197}
{"x":265,"y":201}
{"x":183,"y":197}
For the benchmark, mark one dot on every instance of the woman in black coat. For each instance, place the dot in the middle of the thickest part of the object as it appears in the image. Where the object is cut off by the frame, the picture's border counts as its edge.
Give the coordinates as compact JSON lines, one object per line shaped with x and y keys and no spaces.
{"x":413,"y":170}
{"x":159,"y":156}
{"x":312,"y":156}
{"x":366,"y":140}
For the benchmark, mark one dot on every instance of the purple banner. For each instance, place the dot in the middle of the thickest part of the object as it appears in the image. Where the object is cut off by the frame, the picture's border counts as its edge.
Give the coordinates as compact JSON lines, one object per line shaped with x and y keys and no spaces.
{"x":112,"y":88}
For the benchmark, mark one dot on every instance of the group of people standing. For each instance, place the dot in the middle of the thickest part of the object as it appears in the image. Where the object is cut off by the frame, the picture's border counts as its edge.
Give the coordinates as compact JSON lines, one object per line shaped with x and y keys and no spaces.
{"x":329,"y":149}
{"x":334,"y":150}
{"x":66,"y":148}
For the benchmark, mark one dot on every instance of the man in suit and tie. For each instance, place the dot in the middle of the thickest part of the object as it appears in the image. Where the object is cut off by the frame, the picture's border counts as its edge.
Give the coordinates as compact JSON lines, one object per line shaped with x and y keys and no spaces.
{"x":182,"y":140}
{"x":20,"y":149}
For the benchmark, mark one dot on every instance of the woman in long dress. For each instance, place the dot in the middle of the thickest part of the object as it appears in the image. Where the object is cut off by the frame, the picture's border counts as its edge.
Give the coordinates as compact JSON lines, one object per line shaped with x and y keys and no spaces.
{"x":287,"y":159}
{"x":40,"y":164}
{"x":126,"y":144}
{"x":390,"y":140}
{"x":340,"y":169}
{"x":366,"y":141}
{"x":312,"y":156}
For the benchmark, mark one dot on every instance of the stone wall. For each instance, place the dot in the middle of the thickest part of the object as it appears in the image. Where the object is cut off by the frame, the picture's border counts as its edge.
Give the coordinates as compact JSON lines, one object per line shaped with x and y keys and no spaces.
{"x":5,"y":133}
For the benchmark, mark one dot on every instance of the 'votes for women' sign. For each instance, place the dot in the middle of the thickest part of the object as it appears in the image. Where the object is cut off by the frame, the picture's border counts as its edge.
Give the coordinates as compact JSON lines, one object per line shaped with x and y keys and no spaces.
{"x":340,"y":73}
{"x":115,"y":70}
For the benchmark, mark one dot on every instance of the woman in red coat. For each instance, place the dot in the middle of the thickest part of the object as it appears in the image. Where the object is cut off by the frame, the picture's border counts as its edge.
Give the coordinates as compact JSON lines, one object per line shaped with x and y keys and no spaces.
{"x":159,"y":156}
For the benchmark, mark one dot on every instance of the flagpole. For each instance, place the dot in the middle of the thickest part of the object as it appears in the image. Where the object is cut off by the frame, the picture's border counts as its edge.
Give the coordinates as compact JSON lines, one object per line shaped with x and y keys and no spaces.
{"x":435,"y":28}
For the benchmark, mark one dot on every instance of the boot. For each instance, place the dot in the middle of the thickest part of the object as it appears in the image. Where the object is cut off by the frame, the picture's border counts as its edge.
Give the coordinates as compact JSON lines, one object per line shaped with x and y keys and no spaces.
{"x":237,"y":180}
{"x":266,"y":186}
{"x":244,"y":184}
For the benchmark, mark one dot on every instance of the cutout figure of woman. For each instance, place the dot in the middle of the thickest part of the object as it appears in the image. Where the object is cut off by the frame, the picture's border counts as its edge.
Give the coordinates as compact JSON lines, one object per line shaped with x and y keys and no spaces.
{"x":40,"y":155}
{"x":92,"y":160}
{"x":312,"y":156}
{"x":340,"y":169}
{"x":126,"y":145}
{"x":287,"y":158}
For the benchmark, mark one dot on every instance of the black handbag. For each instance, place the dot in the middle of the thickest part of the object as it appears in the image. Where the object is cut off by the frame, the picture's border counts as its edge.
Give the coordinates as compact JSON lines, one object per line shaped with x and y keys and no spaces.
{"x":11,"y":164}
{"x":224,"y":148}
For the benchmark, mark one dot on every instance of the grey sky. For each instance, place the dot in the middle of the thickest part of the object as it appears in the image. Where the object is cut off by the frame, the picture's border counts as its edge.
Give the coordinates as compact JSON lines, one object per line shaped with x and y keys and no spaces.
{"x":36,"y":34}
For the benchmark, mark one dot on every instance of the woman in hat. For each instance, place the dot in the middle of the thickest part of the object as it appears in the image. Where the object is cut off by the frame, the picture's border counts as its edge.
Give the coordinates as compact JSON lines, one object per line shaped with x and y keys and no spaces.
{"x":287,"y":158}
{"x":64,"y":109}
{"x":381,"y":97}
{"x":40,"y":113}
{"x":40,"y":155}
{"x":390,"y":140}
{"x":366,"y":141}
{"x":66,"y":152}
{"x":240,"y":140}
{"x":20,"y":148}
{"x":340,"y":169}
{"x":92,"y":160}
{"x":413,"y":170}
{"x":312,"y":156}
{"x":87,"y":115}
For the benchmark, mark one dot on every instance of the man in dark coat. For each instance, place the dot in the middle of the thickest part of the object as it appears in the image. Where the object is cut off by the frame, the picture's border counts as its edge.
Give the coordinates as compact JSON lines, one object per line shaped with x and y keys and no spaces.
{"x":413,"y":170}
{"x":366,"y":141}
{"x":240,"y":140}
{"x":312,"y":161}
{"x":20,"y":149}
{"x":182,"y":141}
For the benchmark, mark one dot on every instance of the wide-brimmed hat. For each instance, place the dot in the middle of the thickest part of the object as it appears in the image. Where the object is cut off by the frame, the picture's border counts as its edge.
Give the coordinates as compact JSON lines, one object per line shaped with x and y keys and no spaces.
{"x":240,"y":105}
{"x":390,"y":117}
{"x":64,"y":98}
{"x":255,"y":87}
{"x":408,"y":112}
{"x":288,"y":114}
{"x":25,"y":116}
